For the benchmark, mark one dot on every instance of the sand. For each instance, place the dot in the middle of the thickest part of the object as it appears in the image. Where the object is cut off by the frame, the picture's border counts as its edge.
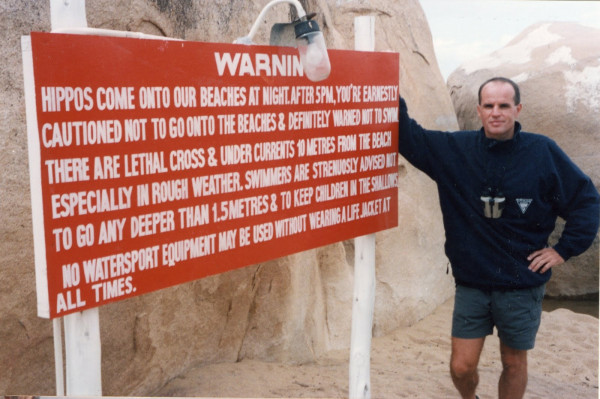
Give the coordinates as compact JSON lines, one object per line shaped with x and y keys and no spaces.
{"x":413,"y":363}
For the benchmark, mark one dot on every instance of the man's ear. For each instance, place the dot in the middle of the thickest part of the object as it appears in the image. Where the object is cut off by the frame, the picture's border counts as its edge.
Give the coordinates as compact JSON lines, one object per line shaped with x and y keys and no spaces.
{"x":519,"y":107}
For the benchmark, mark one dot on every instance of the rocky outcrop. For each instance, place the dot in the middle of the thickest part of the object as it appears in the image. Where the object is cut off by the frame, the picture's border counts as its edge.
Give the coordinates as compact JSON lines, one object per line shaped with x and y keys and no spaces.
{"x":290,"y":309}
{"x":557,"y":67}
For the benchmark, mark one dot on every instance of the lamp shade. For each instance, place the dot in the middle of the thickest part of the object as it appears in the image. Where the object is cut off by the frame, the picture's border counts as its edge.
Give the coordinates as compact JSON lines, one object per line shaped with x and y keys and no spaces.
{"x":312,"y":49}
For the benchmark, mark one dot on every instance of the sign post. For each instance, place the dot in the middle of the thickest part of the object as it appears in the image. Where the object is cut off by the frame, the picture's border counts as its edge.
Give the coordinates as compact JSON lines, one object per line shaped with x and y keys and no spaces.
{"x":363,"y":300}
{"x":82,"y":330}
{"x":83,"y":353}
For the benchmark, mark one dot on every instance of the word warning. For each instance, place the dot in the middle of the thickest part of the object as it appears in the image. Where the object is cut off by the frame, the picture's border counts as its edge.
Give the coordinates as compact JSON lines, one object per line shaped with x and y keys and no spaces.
{"x":154,"y":163}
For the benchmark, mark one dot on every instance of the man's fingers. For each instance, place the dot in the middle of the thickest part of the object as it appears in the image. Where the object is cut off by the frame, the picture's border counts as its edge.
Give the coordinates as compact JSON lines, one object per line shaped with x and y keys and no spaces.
{"x":536,"y":261}
{"x":544,"y":259}
{"x":535,"y":265}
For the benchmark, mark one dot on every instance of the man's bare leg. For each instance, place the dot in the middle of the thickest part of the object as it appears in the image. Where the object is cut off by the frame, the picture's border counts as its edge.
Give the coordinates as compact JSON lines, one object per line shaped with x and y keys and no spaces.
{"x":463,"y":365}
{"x":513,"y":380}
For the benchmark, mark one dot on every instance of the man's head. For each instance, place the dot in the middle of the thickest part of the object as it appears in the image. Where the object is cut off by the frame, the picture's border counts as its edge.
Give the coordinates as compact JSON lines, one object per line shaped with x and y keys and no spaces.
{"x":499,"y":107}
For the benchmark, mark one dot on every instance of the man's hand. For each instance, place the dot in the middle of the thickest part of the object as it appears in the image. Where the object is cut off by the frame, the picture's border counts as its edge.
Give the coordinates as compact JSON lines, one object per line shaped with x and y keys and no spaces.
{"x":544,"y":259}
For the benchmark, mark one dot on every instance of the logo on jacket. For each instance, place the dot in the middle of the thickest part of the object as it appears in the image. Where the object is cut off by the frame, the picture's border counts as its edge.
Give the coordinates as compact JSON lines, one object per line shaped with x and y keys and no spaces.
{"x":524,"y":204}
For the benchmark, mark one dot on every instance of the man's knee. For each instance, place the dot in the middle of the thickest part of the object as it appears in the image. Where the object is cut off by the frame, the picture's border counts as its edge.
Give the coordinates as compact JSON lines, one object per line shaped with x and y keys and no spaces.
{"x":461,"y":367}
{"x":513,"y":360}
{"x":465,"y":356}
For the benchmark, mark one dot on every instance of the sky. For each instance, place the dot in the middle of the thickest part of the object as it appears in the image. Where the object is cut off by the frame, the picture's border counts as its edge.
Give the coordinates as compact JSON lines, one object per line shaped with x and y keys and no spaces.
{"x":463,"y":30}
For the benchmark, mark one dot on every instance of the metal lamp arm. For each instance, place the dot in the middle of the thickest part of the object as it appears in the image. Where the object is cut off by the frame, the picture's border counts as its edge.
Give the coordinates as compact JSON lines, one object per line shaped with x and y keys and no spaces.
{"x":261,"y":16}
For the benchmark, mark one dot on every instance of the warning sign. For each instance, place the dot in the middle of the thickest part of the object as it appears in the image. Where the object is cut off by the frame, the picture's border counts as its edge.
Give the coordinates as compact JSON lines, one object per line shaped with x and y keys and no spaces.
{"x":159,"y":162}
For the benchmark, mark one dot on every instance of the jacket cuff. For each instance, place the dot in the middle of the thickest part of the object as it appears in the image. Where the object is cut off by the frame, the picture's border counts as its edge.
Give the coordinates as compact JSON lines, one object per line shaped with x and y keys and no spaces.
{"x":562,"y":251}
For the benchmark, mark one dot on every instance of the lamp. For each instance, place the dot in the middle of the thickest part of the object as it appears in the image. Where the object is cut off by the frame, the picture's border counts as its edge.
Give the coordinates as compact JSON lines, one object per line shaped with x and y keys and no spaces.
{"x":309,"y":41}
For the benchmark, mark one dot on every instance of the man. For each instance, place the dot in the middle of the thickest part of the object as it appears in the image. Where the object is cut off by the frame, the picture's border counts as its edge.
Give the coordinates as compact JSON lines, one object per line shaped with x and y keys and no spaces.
{"x":501,"y":191}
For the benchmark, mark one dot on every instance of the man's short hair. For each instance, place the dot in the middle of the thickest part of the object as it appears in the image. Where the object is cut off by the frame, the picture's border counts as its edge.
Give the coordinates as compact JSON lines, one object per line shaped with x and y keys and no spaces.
{"x":517,"y":96}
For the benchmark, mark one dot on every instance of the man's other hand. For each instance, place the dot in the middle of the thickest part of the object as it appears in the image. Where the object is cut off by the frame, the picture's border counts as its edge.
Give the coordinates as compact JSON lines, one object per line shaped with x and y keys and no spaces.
{"x":543,"y":259}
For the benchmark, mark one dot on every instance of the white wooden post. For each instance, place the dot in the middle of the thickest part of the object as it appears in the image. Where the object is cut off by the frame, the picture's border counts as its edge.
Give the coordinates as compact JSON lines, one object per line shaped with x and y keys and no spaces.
{"x":58,"y":358}
{"x":82,"y":330}
{"x":364,"y":268}
{"x":65,"y":14}
{"x":41,"y":282}
{"x":362,"y":317}
{"x":82,"y":349}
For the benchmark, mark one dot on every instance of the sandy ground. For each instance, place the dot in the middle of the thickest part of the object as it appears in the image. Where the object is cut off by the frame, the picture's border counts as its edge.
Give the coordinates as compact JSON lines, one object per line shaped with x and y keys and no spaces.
{"x":413,"y":363}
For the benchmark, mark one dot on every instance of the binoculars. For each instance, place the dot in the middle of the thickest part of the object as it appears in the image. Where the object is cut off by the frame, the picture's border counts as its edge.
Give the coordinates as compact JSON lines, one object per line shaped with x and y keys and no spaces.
{"x":493,"y":203}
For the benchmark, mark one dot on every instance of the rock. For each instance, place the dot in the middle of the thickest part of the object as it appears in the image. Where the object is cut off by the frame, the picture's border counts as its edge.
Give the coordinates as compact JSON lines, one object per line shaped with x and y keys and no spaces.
{"x":290,"y":309}
{"x":557,"y":67}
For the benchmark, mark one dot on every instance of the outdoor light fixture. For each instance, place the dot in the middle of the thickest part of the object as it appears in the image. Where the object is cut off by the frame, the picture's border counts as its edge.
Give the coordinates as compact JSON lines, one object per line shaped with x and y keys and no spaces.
{"x":309,"y":41}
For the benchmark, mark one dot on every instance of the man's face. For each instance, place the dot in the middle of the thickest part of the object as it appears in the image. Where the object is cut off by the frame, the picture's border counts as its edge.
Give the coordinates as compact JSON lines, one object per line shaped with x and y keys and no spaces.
{"x":498,"y":111}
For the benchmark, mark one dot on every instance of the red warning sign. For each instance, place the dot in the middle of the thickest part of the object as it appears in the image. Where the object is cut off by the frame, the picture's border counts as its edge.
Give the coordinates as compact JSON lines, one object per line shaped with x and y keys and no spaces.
{"x":160,"y":162}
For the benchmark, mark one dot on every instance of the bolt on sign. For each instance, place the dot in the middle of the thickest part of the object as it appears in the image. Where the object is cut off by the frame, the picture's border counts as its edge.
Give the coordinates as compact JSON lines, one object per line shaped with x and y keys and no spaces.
{"x":154,"y":163}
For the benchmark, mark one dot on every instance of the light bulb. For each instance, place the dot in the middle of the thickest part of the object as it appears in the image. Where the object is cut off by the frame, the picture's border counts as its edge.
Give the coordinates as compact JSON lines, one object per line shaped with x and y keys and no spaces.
{"x":314,"y":55}
{"x":312,"y":49}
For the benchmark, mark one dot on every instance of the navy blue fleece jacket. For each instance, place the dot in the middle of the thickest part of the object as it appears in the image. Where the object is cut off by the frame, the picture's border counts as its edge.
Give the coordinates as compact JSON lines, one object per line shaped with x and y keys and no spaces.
{"x":539,"y":183}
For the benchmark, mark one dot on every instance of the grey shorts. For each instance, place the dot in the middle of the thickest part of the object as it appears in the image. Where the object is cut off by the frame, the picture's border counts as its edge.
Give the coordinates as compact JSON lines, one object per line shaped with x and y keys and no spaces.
{"x":515,"y":313}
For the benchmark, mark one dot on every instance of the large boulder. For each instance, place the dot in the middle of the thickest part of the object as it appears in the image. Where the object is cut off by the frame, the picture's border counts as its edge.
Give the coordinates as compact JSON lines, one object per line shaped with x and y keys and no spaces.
{"x":557,"y":67}
{"x":291,"y":309}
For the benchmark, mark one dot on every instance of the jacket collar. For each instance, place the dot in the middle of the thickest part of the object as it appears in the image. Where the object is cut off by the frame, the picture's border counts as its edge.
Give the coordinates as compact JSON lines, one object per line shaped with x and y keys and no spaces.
{"x":493,"y":144}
